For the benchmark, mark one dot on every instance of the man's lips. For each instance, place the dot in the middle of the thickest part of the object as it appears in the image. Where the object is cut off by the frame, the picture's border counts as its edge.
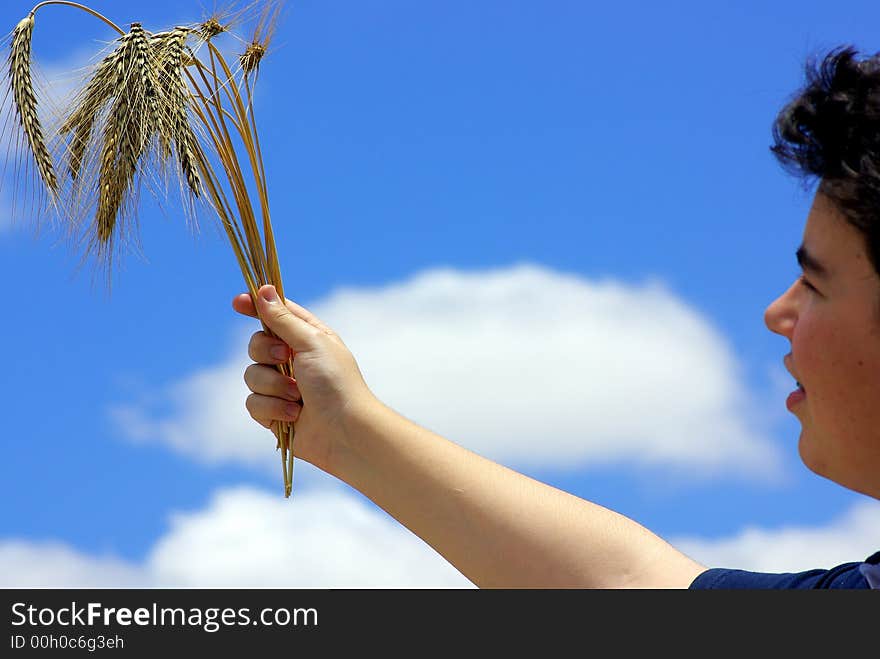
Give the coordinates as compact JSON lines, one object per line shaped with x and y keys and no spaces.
{"x":798,"y":395}
{"x":787,"y":362}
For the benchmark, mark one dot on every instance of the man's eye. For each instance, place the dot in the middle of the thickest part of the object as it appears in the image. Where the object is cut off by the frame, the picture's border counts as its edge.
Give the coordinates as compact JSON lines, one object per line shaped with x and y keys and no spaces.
{"x":803,"y":280}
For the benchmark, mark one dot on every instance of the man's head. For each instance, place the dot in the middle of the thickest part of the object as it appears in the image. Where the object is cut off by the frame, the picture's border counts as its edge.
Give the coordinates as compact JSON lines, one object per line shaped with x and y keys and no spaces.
{"x":831,"y":315}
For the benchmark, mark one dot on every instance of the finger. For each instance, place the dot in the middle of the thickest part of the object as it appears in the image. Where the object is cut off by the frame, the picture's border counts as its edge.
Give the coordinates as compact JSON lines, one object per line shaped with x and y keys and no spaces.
{"x":268,"y":381}
{"x":297,"y":327}
{"x":265,"y":349}
{"x":244,"y":305}
{"x":266,"y":409}
{"x":307,"y":316}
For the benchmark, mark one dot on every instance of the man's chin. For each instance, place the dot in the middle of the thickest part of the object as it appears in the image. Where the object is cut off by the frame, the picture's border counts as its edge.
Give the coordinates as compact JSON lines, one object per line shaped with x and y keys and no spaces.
{"x":807,"y":449}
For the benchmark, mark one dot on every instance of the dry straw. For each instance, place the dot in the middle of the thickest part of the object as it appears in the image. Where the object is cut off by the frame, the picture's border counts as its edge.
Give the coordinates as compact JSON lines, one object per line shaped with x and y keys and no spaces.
{"x":158,"y":107}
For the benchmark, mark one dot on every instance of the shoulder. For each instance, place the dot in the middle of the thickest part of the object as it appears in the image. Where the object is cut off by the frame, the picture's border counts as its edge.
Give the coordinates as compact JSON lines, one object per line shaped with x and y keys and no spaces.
{"x":857,"y":574}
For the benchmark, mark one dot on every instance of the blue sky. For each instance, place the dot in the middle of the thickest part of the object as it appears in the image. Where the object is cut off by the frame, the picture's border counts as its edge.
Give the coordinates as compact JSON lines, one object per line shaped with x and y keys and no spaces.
{"x":444,"y":176}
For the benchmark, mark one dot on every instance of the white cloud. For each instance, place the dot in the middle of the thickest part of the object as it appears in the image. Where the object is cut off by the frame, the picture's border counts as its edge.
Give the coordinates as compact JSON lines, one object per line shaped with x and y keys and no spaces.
{"x":852,"y":537}
{"x":209,"y":422}
{"x":522,"y":364}
{"x":332,"y":540}
{"x":250,"y":538}
{"x":28,"y":564}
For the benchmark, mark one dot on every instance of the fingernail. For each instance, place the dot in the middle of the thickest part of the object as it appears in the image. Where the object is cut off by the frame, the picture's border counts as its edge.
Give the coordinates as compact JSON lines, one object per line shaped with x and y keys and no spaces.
{"x":292,"y":410}
{"x":278,"y":352}
{"x":269,"y":294}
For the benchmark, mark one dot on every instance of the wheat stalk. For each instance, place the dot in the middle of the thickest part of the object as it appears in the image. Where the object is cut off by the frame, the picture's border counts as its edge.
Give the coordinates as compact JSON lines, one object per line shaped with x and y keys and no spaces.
{"x":152,"y":107}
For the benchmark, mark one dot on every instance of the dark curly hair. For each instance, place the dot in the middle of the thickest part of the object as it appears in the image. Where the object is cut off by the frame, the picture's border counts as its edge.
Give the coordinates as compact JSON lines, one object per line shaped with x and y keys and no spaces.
{"x":830,"y":131}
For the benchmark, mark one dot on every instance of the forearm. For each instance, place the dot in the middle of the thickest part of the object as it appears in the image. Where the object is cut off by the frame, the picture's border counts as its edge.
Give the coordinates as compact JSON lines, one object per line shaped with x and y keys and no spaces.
{"x":500,"y":528}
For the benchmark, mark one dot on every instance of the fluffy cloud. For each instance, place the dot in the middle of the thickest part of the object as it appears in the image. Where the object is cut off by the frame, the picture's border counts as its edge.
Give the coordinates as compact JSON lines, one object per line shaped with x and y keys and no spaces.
{"x":851,"y":537}
{"x":332,"y":539}
{"x":524,"y":365}
{"x":251,"y":538}
{"x":29,"y":564}
{"x":328,"y":540}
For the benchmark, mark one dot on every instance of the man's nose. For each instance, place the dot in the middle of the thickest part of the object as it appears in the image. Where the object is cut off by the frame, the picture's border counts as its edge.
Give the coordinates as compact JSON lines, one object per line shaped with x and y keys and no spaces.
{"x":781,"y":315}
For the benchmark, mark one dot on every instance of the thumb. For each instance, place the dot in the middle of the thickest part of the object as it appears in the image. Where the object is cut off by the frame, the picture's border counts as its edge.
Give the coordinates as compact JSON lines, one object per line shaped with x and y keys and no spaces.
{"x":296,"y":330}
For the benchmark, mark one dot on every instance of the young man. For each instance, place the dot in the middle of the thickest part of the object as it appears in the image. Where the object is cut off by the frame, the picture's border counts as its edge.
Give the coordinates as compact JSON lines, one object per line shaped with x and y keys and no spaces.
{"x":501,"y":528}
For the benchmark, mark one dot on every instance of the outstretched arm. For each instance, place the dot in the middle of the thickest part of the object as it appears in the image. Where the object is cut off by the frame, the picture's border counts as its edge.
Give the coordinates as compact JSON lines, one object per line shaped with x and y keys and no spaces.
{"x":498,"y":527}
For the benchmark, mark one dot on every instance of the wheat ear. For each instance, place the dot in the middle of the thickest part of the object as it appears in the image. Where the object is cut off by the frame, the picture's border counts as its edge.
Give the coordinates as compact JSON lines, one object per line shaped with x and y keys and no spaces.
{"x":26,"y":101}
{"x":82,"y":121}
{"x":174,"y":122}
{"x":130,"y":125}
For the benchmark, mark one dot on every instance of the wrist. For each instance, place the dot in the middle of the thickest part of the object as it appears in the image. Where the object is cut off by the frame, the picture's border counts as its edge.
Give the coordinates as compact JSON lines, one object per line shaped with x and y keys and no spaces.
{"x":356,"y":418}
{"x":363,"y":423}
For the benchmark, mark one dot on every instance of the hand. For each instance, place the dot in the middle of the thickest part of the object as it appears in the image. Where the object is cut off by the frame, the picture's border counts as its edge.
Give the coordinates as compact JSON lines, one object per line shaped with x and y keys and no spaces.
{"x":327,"y":386}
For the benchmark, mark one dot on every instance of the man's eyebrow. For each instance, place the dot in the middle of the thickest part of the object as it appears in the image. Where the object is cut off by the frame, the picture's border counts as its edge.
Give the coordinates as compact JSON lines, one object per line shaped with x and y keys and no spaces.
{"x":810,"y":263}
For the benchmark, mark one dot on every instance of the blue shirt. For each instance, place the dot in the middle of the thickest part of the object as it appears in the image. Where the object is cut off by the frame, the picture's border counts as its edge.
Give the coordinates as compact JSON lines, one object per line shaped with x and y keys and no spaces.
{"x":864,"y":574}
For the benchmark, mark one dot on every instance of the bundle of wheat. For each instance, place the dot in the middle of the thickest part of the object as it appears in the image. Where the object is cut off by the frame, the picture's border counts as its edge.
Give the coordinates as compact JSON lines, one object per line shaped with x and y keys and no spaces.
{"x":158,"y":105}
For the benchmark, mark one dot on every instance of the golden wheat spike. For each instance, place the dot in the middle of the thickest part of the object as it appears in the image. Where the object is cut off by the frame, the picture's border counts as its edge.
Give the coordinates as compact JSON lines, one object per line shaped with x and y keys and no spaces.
{"x":145,"y":86}
{"x":92,"y":101}
{"x":133,"y":118}
{"x":25,"y":101}
{"x":182,"y":130}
